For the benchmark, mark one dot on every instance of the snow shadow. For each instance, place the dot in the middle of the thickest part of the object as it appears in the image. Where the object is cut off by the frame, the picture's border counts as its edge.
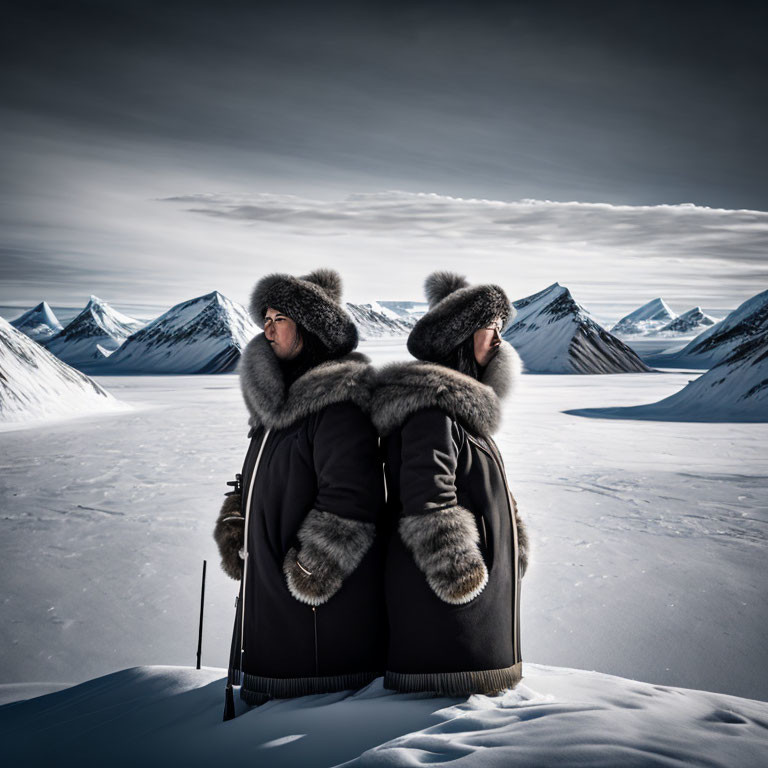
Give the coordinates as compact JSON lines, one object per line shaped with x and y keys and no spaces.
{"x":655,"y":413}
{"x":173,"y":716}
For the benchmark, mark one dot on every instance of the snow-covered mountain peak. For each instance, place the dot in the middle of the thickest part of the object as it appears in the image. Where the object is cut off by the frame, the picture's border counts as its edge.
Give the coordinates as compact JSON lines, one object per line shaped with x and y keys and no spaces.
{"x":550,"y":305}
{"x":98,"y":318}
{"x":410,"y":311}
{"x":653,"y":310}
{"x":201,"y":335}
{"x":692,"y":321}
{"x":549,"y":292}
{"x":736,"y":389}
{"x":39,"y":323}
{"x":651,"y":316}
{"x":210,"y":315}
{"x":716,"y":343}
{"x":553,"y":333}
{"x":374,"y":321}
{"x":44,"y":313}
{"x":97,"y":330}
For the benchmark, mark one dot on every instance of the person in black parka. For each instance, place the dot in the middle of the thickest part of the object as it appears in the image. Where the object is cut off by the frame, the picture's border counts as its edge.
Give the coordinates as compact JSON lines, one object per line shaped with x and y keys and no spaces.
{"x":453,"y":573}
{"x":308,"y":544}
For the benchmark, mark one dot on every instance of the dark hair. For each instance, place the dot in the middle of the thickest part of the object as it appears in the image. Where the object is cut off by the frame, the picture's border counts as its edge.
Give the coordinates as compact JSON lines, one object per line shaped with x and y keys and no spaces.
{"x":462,"y":358}
{"x":313,"y":352}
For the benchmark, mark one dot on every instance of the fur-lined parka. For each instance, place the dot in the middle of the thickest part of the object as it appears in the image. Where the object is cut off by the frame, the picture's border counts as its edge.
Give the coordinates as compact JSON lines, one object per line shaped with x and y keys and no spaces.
{"x":458,"y":550}
{"x":313,"y":615}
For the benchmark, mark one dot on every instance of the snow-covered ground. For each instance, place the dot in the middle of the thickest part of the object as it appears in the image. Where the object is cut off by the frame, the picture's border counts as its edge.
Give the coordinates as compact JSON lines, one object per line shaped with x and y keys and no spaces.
{"x":650,"y":537}
{"x":36,"y":387}
{"x":161,"y":716}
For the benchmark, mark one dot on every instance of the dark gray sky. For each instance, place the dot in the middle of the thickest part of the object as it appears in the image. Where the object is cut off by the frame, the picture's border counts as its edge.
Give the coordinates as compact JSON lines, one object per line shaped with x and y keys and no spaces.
{"x":106,"y":107}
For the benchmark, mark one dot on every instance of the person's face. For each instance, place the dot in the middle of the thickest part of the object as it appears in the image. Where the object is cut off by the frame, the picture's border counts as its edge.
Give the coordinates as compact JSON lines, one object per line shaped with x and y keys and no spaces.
{"x":487,"y":342}
{"x":282,"y":334}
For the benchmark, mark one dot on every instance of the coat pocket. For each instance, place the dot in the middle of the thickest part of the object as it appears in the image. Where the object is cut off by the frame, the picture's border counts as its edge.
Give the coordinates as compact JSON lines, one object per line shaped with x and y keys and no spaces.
{"x":483,"y":535}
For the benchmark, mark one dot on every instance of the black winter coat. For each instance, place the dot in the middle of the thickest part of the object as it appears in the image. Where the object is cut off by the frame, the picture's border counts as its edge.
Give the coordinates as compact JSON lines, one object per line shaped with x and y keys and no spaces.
{"x":454,"y":566}
{"x":313,"y":605}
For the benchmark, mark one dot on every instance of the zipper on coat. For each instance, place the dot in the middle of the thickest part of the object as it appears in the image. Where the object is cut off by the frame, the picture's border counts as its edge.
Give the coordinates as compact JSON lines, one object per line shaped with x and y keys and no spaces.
{"x":246,"y":533}
{"x":317,"y":655}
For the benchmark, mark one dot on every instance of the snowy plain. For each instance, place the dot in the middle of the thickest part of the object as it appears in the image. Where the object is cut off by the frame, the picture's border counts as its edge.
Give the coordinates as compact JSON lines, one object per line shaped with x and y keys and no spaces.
{"x":649,"y":537}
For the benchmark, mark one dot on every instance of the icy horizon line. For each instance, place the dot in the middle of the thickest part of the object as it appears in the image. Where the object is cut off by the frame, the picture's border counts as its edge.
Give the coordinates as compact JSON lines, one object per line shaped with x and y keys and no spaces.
{"x":240,"y":197}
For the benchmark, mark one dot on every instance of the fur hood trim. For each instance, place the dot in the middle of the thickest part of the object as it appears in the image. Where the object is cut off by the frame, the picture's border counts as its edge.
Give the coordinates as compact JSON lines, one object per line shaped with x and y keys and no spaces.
{"x":404,"y":388}
{"x":349,"y":378}
{"x":456,"y":310}
{"x":313,"y":301}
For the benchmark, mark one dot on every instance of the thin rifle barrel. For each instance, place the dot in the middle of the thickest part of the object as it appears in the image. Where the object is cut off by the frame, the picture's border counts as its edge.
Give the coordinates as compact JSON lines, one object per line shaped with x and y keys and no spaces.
{"x":202,"y":607}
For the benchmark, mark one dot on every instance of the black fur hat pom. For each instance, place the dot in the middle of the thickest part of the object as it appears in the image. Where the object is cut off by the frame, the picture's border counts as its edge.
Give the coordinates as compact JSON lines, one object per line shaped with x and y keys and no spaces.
{"x":327,"y":279}
{"x":441,"y":284}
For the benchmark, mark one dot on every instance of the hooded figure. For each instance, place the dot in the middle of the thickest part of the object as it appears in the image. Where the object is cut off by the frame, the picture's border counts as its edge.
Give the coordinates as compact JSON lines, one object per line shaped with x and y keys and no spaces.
{"x":458,"y":550}
{"x":311,"y":606}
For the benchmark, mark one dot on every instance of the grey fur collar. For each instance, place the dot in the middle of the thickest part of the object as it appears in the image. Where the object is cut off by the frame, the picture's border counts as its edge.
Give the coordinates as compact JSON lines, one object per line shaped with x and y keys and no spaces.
{"x":404,"y":388}
{"x":335,"y":381}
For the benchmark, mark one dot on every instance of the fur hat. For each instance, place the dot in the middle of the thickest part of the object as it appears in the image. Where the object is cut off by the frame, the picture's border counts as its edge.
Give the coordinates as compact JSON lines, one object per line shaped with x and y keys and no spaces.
{"x":456,"y":311}
{"x":313,"y":301}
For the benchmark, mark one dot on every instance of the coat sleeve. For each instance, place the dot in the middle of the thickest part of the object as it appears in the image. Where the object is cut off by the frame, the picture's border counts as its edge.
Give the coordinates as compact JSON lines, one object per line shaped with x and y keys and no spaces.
{"x":441,"y":535}
{"x":229,"y":531}
{"x":341,"y":526}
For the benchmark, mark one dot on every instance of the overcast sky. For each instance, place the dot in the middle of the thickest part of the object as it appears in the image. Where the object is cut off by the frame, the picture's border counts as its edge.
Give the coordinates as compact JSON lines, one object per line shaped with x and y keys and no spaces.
{"x":154,"y":151}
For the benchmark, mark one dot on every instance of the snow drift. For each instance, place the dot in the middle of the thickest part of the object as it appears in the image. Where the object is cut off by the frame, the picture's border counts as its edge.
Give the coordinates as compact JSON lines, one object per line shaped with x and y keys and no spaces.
{"x":554,"y":334}
{"x":172,"y":716}
{"x":93,"y":335}
{"x":39,"y":323}
{"x":35,"y":385}
{"x":203,"y":335}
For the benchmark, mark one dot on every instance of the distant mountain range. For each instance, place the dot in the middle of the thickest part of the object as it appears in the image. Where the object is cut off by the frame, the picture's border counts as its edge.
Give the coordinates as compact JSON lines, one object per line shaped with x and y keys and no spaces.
{"x":747,"y":322}
{"x":655,"y":318}
{"x":202,"y":335}
{"x":35,"y":385}
{"x":735,"y":388}
{"x":410,"y":311}
{"x":93,"y":335}
{"x":551,"y":332}
{"x":374,"y":321}
{"x":652,"y":316}
{"x":554,"y":334}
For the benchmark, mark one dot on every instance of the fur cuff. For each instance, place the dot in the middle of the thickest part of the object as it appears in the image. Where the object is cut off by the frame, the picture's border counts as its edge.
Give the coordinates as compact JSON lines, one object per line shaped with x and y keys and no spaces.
{"x":228,"y":533}
{"x":330,"y":548}
{"x":523,"y":545}
{"x":446,"y":547}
